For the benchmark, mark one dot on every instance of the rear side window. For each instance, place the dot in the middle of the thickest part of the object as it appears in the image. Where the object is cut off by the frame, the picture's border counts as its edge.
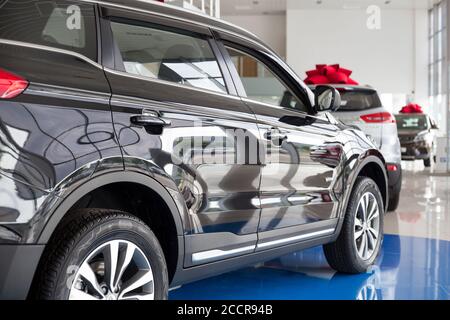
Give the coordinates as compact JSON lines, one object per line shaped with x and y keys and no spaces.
{"x":170,"y":56}
{"x":68,"y":25}
{"x":358,"y":100}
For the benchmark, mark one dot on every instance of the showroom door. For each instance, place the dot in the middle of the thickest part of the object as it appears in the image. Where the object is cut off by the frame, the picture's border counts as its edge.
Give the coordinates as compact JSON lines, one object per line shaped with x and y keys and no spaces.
{"x":176,"y":115}
{"x":300,"y":155}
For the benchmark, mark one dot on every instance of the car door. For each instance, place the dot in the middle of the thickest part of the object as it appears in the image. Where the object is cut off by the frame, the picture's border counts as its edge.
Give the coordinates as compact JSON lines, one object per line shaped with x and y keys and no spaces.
{"x":176,"y":116}
{"x":301,"y":151}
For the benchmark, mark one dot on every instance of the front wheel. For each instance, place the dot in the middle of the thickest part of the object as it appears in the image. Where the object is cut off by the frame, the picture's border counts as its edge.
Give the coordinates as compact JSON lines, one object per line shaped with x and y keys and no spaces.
{"x":104,"y":255}
{"x":427,"y":162}
{"x":359,"y":242}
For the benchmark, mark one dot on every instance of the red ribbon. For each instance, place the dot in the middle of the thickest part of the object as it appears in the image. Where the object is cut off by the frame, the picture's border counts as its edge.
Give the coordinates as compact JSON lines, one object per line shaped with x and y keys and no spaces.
{"x":412,"y":108}
{"x":329,"y":74}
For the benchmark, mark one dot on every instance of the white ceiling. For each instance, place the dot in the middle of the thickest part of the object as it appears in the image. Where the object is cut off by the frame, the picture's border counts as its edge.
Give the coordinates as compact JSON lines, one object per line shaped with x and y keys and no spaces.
{"x":257,"y":7}
{"x":252,"y":7}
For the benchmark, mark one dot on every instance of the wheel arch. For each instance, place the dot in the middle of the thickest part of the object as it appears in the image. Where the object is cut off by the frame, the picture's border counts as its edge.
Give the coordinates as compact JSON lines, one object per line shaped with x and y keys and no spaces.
{"x":372,"y":165}
{"x":374,"y":170}
{"x":108,"y":179}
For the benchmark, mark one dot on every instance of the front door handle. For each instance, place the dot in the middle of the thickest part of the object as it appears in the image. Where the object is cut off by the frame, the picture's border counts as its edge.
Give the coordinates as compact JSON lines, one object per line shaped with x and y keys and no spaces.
{"x":275,"y":136}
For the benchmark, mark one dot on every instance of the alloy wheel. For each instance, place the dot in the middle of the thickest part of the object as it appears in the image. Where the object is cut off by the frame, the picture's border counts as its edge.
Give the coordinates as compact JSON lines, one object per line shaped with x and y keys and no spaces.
{"x":116,"y":270}
{"x":367,"y":226}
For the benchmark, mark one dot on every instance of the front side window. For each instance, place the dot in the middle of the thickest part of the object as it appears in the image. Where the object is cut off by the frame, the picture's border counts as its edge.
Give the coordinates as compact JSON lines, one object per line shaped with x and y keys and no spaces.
{"x":169,"y":56}
{"x":261,"y":84}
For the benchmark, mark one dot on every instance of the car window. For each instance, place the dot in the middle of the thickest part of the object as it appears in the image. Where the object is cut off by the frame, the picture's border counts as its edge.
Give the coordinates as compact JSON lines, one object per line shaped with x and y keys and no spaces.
{"x":261,"y":84}
{"x":358,"y":100}
{"x":68,"y":25}
{"x":412,"y":122}
{"x":169,"y":56}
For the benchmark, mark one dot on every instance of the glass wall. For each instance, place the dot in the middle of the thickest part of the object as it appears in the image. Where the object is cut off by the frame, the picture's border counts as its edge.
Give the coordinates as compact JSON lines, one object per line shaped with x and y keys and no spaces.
{"x":437,"y":64}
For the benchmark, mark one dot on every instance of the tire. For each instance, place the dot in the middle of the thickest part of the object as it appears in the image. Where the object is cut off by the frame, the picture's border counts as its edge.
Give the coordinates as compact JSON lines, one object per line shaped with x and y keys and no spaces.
{"x":86,"y":243}
{"x":342,"y":255}
{"x":427,"y":162}
{"x":393,"y":202}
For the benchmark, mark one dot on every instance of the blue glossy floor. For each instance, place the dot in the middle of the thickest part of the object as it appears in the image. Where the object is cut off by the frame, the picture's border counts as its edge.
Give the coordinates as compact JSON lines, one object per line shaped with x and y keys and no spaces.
{"x":414,"y":263}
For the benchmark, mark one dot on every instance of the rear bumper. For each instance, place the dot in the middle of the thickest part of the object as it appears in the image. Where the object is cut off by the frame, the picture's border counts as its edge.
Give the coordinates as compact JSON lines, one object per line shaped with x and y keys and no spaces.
{"x":18,"y":264}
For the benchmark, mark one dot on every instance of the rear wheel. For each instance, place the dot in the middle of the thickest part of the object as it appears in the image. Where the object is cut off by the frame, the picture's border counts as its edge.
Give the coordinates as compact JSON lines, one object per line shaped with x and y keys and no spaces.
{"x":359,"y":242}
{"x":427,"y":162}
{"x":104,"y":255}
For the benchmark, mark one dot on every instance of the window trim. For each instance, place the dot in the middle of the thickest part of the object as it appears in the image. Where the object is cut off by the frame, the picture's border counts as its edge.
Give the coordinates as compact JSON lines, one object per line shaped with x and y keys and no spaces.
{"x":112,"y":58}
{"x":273,"y":67}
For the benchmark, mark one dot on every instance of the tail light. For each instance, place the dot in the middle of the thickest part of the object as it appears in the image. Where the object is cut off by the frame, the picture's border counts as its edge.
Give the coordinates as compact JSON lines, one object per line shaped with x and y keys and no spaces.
{"x":379,"y":117}
{"x":392,"y":167}
{"x":11,"y":85}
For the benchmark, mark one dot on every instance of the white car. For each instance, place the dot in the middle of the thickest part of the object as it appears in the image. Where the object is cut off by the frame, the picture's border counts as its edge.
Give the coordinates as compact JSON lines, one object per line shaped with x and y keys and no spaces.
{"x":361,"y":107}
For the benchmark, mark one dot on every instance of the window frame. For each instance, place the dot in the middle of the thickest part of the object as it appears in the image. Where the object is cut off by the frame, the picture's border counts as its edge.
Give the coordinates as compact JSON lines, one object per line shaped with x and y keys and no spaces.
{"x":112,"y":57}
{"x":273,"y":66}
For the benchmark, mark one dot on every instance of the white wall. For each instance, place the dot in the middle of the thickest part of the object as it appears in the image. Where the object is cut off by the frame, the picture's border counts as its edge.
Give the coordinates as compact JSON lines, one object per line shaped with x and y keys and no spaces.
{"x":421,"y":46}
{"x":393,"y":59}
{"x":270,"y":28}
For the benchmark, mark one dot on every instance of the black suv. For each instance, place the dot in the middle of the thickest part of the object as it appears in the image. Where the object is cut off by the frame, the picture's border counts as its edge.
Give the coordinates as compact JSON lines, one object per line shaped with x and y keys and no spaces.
{"x":144,"y":146}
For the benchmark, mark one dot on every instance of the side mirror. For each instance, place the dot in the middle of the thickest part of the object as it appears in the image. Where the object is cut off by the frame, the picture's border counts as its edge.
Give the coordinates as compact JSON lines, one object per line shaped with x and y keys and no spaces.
{"x":434,"y":125}
{"x":327,"y":99}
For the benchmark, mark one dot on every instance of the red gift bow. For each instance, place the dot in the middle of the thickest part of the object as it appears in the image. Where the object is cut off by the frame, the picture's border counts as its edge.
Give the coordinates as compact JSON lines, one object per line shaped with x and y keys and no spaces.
{"x":412,"y":108}
{"x":329,"y":74}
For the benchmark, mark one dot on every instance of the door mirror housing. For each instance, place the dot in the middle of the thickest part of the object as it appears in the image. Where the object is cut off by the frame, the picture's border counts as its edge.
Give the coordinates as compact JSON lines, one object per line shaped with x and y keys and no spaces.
{"x":327,"y":98}
{"x":434,"y":125}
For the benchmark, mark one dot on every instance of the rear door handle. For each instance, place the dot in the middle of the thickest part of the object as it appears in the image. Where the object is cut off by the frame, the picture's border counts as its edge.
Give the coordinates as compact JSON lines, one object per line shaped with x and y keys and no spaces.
{"x":149,"y":121}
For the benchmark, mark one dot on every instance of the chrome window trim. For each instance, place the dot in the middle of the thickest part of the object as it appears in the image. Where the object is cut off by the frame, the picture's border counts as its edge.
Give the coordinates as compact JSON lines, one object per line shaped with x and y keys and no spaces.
{"x":47,"y":90}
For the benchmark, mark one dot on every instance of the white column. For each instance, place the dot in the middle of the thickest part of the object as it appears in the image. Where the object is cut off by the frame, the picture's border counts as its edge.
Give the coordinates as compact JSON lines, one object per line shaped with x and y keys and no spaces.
{"x":217,"y":9}
{"x":420,"y":49}
{"x":446,"y":78}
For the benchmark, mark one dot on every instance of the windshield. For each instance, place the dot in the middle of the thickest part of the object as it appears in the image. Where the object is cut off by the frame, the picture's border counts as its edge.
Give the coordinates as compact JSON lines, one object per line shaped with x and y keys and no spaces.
{"x":358,"y":100}
{"x":412,"y":122}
